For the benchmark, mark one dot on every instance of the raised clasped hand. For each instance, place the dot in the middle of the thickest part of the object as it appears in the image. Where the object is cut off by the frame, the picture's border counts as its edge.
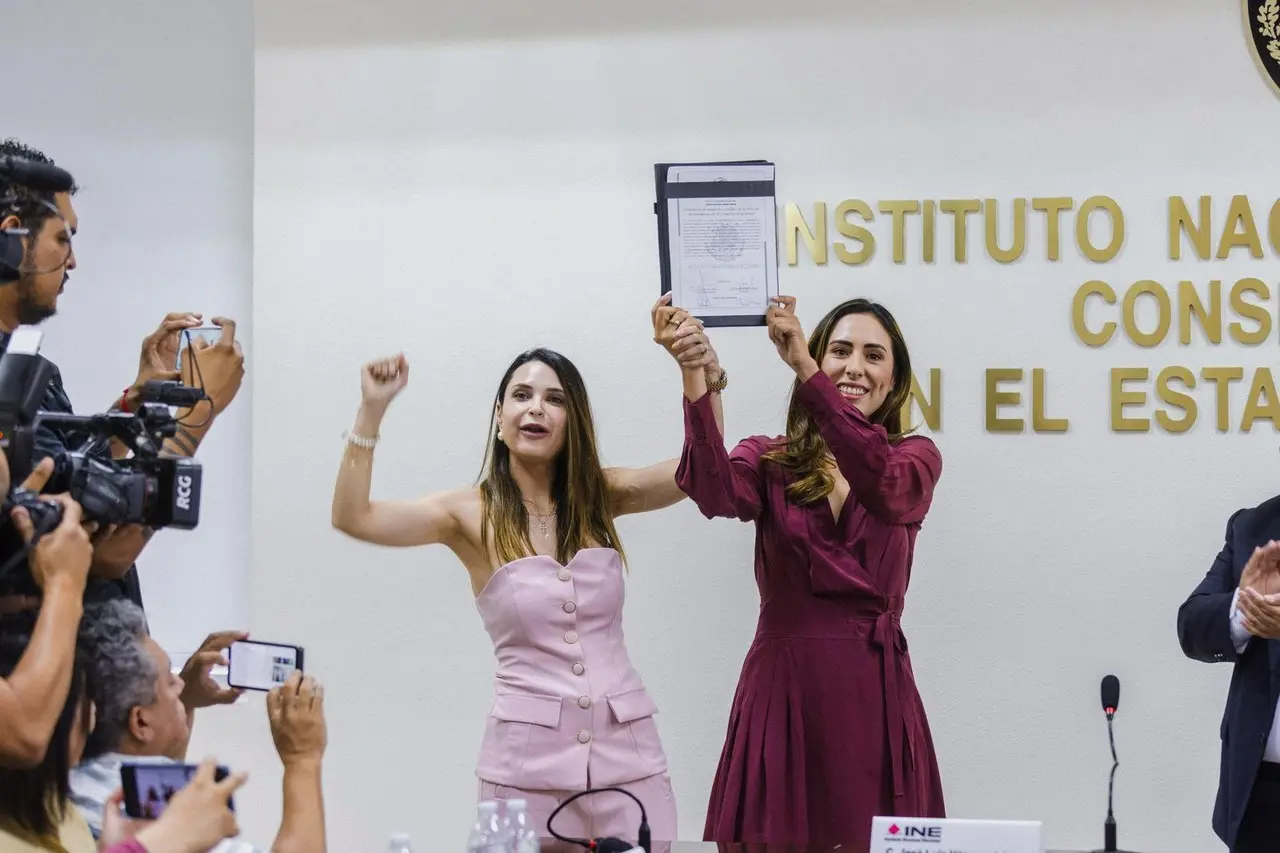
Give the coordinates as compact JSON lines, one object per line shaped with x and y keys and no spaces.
{"x":786,"y":333}
{"x":683,"y":336}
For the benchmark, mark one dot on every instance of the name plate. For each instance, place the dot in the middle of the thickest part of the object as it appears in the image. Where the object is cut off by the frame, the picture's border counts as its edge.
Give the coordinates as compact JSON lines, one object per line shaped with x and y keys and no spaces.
{"x":917,"y":835}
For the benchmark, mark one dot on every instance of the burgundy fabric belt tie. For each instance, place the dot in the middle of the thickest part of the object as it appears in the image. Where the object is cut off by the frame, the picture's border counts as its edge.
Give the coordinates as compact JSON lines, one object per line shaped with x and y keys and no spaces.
{"x":889,"y":637}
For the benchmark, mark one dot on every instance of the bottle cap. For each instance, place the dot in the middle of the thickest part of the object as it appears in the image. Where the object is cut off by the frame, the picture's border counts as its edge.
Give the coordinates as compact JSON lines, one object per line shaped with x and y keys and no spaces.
{"x":400,"y":838}
{"x":518,"y":805}
{"x":488,"y":806}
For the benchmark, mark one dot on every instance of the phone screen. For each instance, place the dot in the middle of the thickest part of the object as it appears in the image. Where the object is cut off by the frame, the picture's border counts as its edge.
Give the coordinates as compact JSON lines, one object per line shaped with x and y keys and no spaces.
{"x":261,"y":666}
{"x":148,"y":788}
{"x":206,"y":333}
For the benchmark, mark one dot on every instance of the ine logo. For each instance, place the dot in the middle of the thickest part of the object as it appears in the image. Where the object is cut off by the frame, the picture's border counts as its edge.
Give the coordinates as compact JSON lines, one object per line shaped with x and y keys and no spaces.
{"x":925,"y":834}
{"x":183,"y":499}
{"x":1262,"y":28}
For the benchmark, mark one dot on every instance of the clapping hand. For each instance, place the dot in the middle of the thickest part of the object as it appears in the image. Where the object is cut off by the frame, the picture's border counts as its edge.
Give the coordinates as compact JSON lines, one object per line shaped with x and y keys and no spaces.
{"x":1259,"y":594}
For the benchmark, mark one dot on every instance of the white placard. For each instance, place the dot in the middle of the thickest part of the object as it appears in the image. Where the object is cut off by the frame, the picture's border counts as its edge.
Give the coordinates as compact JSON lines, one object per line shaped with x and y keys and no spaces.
{"x":915,"y":835}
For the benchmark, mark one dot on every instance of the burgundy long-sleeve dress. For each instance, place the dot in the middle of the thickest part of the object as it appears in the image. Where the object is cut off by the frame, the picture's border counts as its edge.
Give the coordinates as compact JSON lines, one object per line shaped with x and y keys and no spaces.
{"x":827,"y":728}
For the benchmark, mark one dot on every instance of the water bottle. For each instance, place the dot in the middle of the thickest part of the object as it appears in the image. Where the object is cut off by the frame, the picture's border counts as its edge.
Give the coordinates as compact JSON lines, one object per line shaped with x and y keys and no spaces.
{"x":499,"y":833}
{"x":400,"y":843}
{"x":484,"y":833}
{"x":524,"y":838}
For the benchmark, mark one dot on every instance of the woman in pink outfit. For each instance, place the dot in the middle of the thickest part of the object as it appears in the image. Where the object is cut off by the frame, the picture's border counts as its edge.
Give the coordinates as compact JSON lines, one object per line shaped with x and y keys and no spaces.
{"x":537,"y":538}
{"x":827,"y":729}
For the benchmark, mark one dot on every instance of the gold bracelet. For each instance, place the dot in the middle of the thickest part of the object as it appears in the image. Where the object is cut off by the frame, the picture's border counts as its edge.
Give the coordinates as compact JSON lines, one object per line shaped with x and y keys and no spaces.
{"x":720,"y":384}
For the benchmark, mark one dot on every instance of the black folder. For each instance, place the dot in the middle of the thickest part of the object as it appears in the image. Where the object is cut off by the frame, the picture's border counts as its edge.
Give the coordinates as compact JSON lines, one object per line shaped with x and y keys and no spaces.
{"x":717,"y":189}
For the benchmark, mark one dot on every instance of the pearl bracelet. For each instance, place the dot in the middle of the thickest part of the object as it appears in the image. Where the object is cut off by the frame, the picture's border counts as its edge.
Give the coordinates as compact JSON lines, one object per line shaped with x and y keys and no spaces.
{"x":360,"y":441}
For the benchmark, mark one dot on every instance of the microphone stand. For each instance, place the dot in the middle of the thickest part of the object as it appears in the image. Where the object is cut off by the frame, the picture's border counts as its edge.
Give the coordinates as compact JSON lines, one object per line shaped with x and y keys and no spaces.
{"x":1109,"y":826}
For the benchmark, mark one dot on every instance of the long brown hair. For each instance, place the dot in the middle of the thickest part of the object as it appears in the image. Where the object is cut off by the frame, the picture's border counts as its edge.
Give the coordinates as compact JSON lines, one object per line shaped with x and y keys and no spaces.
{"x":578,"y":488}
{"x":803,"y":453}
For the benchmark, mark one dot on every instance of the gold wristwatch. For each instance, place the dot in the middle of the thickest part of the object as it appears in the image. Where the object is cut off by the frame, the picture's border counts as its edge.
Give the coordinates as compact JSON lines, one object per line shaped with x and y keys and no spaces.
{"x":720,"y":384}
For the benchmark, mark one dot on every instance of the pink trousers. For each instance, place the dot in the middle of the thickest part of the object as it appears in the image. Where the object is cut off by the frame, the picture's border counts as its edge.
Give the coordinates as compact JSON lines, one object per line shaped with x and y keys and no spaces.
{"x":600,"y":815}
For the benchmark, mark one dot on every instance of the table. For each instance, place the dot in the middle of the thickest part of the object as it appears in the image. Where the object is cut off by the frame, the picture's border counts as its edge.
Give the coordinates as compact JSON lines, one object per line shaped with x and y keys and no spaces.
{"x":550,"y":846}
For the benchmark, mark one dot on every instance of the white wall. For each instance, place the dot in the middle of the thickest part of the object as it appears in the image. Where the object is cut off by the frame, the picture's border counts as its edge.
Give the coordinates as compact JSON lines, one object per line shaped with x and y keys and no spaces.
{"x":461,"y":189}
{"x":150,"y":105}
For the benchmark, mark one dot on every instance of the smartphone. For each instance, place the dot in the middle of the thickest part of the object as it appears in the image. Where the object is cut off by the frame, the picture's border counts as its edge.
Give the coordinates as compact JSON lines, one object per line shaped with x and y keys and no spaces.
{"x":149,"y":787}
{"x":261,"y":666}
{"x":206,"y":333}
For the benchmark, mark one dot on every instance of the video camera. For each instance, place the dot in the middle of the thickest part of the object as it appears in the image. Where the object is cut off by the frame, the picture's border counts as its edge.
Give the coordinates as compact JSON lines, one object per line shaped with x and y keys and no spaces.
{"x":147,"y":489}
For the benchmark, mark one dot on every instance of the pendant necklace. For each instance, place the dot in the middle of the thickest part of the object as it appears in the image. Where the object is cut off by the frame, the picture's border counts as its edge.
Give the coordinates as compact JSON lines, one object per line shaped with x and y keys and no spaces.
{"x":543,"y":521}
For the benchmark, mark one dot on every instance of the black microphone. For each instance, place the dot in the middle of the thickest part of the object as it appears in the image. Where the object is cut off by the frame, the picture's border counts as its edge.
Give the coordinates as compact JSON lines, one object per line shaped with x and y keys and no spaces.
{"x":1110,"y":695}
{"x":40,"y":177}
{"x":1110,"y":703}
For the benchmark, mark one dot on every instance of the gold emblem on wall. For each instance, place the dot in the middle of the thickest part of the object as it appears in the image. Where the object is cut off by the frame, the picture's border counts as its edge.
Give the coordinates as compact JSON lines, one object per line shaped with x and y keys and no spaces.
{"x":1262,"y":23}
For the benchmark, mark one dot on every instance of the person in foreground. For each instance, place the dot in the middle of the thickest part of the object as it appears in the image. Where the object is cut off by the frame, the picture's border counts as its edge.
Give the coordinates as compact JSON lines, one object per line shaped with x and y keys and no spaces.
{"x":33,"y":691}
{"x":145,"y":714}
{"x":1234,"y":616}
{"x":827,"y":728}
{"x":537,"y":538}
{"x":49,"y":259}
{"x":36,"y":813}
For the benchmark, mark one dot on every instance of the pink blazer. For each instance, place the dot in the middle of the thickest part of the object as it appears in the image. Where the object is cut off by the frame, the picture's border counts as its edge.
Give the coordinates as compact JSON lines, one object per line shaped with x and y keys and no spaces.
{"x":570,"y":711}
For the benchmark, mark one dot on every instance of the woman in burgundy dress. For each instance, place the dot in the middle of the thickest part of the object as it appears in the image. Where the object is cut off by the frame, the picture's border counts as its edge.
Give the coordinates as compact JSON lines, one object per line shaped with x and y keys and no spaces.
{"x":827,"y":729}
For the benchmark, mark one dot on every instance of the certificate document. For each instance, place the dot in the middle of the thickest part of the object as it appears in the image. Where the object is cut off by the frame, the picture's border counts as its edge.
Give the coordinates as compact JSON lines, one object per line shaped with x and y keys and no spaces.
{"x":722,"y":241}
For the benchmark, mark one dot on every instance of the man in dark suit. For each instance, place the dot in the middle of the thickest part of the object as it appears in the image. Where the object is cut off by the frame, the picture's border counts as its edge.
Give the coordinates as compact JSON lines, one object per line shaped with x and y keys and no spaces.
{"x":1234,"y":615}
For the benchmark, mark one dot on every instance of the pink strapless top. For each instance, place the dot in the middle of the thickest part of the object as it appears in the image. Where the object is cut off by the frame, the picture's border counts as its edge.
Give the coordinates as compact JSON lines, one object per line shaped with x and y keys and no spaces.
{"x":570,"y":710}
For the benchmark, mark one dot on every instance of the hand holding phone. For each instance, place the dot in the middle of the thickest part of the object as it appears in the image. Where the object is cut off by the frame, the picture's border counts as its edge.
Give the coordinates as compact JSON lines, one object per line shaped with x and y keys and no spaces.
{"x":208,"y":334}
{"x":150,"y":787}
{"x":261,"y":666}
{"x":198,"y":817}
{"x":296,"y":713}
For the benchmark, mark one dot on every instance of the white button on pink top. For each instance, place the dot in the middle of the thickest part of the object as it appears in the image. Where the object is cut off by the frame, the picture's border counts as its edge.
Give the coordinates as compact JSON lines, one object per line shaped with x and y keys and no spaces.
{"x":584,"y":701}
{"x":578,"y":669}
{"x":584,"y":736}
{"x":571,"y":636}
{"x":564,"y":574}
{"x":569,"y":607}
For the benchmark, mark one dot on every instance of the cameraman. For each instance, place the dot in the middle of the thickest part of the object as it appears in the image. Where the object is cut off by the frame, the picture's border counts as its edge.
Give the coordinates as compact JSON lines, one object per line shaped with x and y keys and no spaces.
{"x":51,"y":223}
{"x":32,"y":697}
